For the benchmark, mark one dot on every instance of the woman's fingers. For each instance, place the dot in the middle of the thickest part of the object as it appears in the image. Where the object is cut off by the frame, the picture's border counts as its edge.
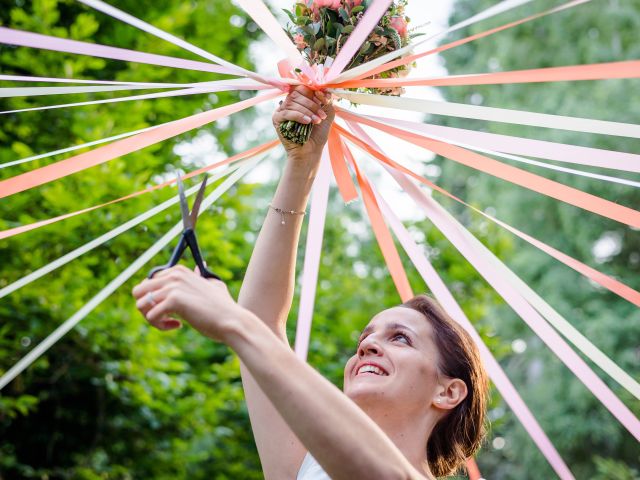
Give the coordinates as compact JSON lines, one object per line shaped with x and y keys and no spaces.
{"x":302,"y":105}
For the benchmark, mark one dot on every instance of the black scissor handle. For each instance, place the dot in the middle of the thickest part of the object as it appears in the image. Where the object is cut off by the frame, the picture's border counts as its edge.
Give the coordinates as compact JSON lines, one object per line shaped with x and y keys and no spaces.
{"x":192,"y":241}
{"x":175,"y":258}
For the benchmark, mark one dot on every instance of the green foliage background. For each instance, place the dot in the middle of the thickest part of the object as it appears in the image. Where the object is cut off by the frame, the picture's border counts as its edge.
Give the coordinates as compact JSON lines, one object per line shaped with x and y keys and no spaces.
{"x":115,"y":399}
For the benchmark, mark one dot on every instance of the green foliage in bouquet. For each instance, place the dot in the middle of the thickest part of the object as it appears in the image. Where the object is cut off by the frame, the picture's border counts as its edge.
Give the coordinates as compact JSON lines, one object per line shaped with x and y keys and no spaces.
{"x":320,"y":28}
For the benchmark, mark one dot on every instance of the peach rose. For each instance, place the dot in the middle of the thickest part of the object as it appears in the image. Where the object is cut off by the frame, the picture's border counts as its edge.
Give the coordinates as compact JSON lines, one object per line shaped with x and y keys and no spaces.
{"x":400,"y":25}
{"x":331,"y":4}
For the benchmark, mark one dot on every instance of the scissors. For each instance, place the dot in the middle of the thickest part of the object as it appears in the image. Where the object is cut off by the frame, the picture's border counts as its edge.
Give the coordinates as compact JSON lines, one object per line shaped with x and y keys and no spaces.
{"x":188,"y":238}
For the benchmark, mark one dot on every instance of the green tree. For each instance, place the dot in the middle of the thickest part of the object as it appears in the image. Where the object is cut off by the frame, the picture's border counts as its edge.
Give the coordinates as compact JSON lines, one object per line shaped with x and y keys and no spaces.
{"x":581,"y":429}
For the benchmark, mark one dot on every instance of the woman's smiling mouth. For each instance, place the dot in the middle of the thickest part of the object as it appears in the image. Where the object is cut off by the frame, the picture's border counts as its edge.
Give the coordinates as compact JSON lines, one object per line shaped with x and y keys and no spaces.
{"x":372,"y":369}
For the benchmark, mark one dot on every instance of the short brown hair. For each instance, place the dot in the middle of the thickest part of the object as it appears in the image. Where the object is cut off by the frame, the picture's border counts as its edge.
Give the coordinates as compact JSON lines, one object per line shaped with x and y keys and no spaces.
{"x":458,"y":435}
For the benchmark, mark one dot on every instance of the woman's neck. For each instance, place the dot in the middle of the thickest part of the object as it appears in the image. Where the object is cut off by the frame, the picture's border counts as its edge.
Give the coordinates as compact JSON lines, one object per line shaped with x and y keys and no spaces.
{"x":409,"y":433}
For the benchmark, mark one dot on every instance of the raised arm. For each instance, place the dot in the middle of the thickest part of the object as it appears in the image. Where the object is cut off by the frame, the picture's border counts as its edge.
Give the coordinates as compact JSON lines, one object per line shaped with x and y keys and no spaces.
{"x":345,"y":441}
{"x":267,"y":289}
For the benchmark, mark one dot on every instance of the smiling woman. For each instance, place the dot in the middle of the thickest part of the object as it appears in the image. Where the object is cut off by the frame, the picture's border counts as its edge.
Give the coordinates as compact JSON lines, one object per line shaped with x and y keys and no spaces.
{"x":414,"y":398}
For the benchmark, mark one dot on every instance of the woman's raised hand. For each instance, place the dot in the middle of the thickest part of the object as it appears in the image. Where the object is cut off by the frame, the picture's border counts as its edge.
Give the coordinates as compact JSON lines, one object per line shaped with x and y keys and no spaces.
{"x":205,"y":304}
{"x":304,"y":105}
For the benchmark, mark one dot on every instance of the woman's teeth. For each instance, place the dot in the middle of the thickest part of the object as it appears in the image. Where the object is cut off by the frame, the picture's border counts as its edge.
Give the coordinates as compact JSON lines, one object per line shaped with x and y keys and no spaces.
{"x":371,"y":369}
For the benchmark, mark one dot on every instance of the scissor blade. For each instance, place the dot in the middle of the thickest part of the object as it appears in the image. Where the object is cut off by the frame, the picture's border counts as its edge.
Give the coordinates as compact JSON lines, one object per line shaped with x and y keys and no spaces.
{"x":196,"y":204}
{"x":184,"y":206}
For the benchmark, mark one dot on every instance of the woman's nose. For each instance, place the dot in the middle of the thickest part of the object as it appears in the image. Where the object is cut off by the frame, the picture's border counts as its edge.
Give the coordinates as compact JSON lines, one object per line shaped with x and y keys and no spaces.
{"x":369,"y":346}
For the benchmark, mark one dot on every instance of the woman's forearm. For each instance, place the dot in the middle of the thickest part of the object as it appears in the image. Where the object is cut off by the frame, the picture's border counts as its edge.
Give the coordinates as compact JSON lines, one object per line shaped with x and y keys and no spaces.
{"x":267,"y":289}
{"x":344,"y":440}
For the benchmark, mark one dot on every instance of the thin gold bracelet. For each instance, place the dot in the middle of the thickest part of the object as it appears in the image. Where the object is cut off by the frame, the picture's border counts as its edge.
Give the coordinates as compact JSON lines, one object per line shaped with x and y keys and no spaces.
{"x":285,"y":212}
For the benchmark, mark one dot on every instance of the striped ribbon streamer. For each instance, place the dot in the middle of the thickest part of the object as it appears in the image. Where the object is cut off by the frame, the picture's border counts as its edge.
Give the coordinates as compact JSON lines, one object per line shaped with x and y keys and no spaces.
{"x":68,"y":257}
{"x":106,"y":153}
{"x":492,"y":11}
{"x":599,"y":71}
{"x":492,"y":114}
{"x":562,"y":325}
{"x":606,"y":178}
{"x":21,"y":38}
{"x":243,"y":155}
{"x":112,"y":286}
{"x":495,"y":371}
{"x":25,"y":78}
{"x":365,"y":25}
{"x":412,"y":58}
{"x":174,"y":93}
{"x":593,"y":157}
{"x":312,"y":253}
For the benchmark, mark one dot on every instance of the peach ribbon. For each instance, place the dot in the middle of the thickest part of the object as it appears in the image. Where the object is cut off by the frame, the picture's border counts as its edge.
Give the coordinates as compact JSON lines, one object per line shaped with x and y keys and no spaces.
{"x":412,"y":58}
{"x":579,"y":340}
{"x":32,"y":226}
{"x":340,"y":170}
{"x":605,"y":281}
{"x":597,"y":71}
{"x":103,"y":154}
{"x":512,"y":174}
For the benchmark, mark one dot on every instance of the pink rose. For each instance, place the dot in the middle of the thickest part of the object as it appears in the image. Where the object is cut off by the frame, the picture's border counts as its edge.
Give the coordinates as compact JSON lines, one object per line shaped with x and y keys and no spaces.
{"x":331,"y":4}
{"x":354,"y":3}
{"x":400,"y":25}
{"x":298,"y":39}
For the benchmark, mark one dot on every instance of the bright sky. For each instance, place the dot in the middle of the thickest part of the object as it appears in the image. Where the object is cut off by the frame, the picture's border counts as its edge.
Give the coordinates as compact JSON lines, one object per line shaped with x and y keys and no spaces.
{"x":431,"y":20}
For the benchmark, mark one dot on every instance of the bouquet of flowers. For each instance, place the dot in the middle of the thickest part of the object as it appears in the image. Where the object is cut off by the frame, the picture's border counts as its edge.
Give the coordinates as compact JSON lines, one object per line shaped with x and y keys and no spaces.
{"x":322,"y":27}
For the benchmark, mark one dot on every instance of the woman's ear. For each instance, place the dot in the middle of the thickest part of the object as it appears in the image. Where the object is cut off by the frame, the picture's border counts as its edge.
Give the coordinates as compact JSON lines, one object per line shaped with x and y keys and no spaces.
{"x":450,"y":394}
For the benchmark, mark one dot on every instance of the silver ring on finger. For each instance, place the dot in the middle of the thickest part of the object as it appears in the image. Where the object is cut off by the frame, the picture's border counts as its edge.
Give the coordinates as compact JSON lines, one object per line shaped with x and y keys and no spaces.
{"x":151,"y":300}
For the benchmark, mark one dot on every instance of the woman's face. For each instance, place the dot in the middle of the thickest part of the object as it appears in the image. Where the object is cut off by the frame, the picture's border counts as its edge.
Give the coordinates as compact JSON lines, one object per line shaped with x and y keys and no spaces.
{"x":395,"y":363}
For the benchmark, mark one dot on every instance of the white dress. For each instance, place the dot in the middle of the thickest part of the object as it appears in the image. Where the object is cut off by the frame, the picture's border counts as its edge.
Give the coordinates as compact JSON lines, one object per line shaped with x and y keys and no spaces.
{"x":311,"y":470}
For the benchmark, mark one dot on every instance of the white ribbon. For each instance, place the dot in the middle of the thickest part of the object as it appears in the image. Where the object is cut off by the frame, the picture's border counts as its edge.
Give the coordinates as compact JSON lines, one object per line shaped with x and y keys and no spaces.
{"x":550,"y":315}
{"x":37,"y":91}
{"x":581,"y":173}
{"x":501,"y":7}
{"x":593,"y":157}
{"x":268,"y":23}
{"x":74,"y":147}
{"x":112,"y":286}
{"x":24,"y":78}
{"x":492,"y":114}
{"x":224,"y":86}
{"x":313,"y":250}
{"x":59,"y":262}
{"x":146,"y":27}
{"x":495,"y":371}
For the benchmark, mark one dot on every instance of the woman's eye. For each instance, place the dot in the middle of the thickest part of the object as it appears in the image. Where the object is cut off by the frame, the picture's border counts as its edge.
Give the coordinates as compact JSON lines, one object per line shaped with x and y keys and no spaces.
{"x":401,"y":337}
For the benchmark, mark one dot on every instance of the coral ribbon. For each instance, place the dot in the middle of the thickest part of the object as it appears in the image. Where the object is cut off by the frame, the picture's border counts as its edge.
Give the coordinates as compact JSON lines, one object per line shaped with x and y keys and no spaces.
{"x":340,"y":170}
{"x":47,"y":42}
{"x":32,"y":226}
{"x":103,"y":154}
{"x":515,"y":175}
{"x":383,"y":236}
{"x":412,"y":58}
{"x":598,"y":71}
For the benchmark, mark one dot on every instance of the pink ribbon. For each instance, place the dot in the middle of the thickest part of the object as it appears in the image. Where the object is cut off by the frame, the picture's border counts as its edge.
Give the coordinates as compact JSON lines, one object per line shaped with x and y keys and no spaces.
{"x":46,"y":42}
{"x":313,"y":250}
{"x":367,"y":23}
{"x":103,"y":154}
{"x":594,"y":157}
{"x":541,"y":328}
{"x":495,"y":371}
